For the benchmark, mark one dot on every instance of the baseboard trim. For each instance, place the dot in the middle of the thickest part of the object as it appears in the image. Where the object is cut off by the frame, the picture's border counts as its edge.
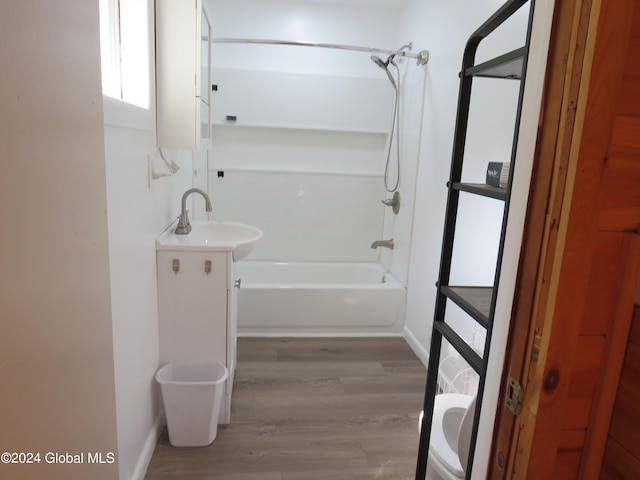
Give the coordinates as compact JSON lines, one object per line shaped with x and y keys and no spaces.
{"x":148,"y":449}
{"x":416,"y":346}
{"x":275,"y":333}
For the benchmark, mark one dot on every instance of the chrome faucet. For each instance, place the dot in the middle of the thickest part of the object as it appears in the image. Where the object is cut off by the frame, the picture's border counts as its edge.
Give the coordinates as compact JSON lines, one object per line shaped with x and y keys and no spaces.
{"x":184,"y":226}
{"x":383,"y":243}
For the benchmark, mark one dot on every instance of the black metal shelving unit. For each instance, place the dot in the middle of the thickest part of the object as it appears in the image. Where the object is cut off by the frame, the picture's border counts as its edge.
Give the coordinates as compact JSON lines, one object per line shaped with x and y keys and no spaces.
{"x":478,"y":302}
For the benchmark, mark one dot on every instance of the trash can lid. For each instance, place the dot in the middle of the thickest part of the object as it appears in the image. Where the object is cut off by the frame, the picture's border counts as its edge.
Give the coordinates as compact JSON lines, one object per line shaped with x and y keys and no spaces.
{"x":192,"y":373}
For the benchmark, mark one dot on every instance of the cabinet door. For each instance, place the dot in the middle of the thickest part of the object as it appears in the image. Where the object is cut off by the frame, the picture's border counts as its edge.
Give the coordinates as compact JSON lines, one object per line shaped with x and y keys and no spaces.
{"x":181,"y":88}
{"x":232,"y":318}
{"x":192,"y":306}
{"x":205,"y":79}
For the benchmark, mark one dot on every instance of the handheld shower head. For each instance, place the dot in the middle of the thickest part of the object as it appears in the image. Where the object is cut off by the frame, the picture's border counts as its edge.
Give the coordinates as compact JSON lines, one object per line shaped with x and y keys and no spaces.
{"x":378,"y":61}
{"x":385,"y":66}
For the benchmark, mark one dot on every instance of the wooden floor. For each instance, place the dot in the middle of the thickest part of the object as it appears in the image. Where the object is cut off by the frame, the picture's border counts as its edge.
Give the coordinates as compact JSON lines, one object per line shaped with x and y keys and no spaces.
{"x":310,"y":409}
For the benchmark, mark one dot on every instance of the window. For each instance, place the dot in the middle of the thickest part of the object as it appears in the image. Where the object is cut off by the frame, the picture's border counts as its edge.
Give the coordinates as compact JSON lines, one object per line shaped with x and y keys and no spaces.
{"x":124,"y":49}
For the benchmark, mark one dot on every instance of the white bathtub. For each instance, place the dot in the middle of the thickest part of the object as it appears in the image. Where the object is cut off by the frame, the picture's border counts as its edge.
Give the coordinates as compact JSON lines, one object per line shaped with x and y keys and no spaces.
{"x":300,"y":298}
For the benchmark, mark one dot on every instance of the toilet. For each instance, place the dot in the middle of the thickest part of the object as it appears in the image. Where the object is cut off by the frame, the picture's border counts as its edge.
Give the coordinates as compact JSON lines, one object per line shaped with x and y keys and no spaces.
{"x":450,"y":436}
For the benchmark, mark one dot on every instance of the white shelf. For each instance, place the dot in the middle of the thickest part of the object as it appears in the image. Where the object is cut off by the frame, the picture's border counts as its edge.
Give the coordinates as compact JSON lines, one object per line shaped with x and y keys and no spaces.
{"x":300,"y":127}
{"x":297,"y":101}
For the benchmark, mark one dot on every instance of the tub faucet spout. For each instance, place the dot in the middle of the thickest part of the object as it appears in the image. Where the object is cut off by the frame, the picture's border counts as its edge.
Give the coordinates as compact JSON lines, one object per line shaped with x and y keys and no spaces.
{"x":184,"y":226}
{"x":383,"y":243}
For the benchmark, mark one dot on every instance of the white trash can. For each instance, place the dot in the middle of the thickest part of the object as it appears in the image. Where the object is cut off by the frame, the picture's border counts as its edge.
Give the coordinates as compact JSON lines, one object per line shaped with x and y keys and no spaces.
{"x":192,"y":396}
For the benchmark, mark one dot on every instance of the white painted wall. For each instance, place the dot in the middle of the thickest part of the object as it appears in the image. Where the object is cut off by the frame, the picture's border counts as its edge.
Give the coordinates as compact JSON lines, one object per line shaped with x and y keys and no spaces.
{"x":138,"y":211}
{"x":79,"y":343}
{"x":441,"y":26}
{"x":305,"y":21}
{"x":137,"y":214}
{"x":56,"y":342}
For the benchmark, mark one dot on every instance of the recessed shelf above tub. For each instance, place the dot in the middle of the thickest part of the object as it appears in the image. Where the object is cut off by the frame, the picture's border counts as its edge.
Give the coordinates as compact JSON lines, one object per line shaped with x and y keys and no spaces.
{"x":302,"y":101}
{"x":238,"y":124}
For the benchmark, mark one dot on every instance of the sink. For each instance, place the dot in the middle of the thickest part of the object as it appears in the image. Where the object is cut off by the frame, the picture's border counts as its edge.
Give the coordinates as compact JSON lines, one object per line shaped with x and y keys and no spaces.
{"x":214,"y":237}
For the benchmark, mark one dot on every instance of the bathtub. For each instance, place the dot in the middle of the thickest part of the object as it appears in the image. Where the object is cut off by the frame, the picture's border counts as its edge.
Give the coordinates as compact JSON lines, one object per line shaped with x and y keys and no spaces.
{"x":300,"y":298}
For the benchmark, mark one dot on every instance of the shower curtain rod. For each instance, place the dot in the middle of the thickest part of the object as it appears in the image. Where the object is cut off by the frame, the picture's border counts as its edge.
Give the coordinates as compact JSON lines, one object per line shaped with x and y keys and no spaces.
{"x":421,"y":57}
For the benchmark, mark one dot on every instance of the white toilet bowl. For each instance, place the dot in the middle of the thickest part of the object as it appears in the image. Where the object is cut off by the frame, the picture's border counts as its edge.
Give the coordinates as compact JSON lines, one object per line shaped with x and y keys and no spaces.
{"x":450,"y":436}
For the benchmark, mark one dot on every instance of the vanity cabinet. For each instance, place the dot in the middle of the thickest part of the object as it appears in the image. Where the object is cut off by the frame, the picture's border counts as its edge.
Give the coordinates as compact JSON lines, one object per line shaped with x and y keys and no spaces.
{"x":183,"y":73}
{"x":197,"y":305}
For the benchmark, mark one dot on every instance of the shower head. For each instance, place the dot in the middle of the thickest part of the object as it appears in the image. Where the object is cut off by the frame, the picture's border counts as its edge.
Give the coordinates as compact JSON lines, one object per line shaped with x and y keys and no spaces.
{"x":378,"y":61}
{"x":385,"y":66}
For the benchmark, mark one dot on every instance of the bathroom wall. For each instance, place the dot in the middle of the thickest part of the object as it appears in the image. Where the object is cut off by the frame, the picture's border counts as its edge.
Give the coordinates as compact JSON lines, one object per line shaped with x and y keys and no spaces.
{"x":441,"y":27}
{"x":79,"y":324}
{"x":138,"y":209}
{"x":412,"y":105}
{"x":431,"y":25}
{"x":310,"y":153}
{"x":56,"y":341}
{"x":309,"y":21}
{"x":137,"y":212}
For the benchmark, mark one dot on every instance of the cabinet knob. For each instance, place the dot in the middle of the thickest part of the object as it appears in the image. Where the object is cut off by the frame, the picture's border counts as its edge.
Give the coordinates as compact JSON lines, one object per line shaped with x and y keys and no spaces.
{"x":237,"y":283}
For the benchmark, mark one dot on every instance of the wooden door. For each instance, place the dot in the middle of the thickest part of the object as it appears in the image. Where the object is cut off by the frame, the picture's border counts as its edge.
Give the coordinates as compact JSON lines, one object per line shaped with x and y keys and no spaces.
{"x":622,"y":452}
{"x":612,"y":446}
{"x":585,"y":194}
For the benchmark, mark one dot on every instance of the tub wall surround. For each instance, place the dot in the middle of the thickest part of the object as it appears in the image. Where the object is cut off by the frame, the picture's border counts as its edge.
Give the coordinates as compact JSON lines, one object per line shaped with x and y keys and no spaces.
{"x":312,"y":183}
{"x":305,"y":216}
{"x":314,"y":163}
{"x":311,"y":101}
{"x":300,"y":166}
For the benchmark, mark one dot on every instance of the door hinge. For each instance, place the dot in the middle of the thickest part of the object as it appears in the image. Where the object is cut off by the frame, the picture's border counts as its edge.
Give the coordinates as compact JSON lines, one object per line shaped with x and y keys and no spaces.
{"x":514,"y":396}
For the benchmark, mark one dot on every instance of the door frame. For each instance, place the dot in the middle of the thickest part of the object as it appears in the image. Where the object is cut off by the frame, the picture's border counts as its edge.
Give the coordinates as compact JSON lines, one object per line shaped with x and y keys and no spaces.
{"x":583,"y":35}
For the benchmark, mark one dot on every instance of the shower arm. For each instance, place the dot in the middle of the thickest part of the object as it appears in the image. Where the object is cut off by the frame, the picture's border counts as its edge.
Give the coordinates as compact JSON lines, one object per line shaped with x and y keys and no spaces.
{"x":421,"y":57}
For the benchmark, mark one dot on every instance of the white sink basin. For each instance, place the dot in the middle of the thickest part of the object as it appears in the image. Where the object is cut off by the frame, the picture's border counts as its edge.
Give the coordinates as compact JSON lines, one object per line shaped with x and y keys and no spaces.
{"x":213,"y":236}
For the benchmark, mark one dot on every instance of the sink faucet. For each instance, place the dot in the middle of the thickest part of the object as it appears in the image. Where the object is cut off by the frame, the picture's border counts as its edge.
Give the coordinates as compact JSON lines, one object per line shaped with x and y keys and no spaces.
{"x":383,"y":243}
{"x":184,"y":226}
